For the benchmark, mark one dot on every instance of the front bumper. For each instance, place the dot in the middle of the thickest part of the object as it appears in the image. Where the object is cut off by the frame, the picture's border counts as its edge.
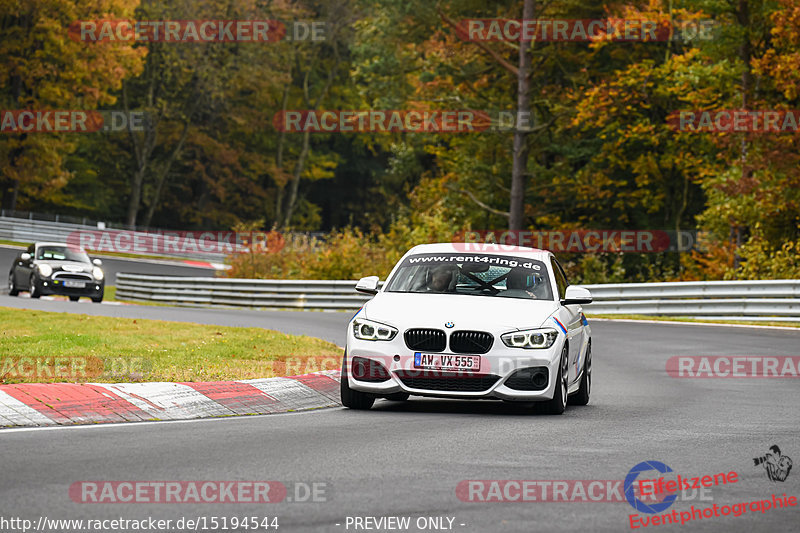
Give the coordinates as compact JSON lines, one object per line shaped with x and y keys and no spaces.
{"x":47,"y":287}
{"x":499,"y":375}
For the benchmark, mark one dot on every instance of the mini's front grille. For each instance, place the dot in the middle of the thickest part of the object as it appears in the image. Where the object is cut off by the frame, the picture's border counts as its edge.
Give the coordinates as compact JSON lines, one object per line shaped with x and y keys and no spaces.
{"x":425,"y":340}
{"x":534,"y":378}
{"x":471,"y":342}
{"x":69,"y":275}
{"x":446,"y":381}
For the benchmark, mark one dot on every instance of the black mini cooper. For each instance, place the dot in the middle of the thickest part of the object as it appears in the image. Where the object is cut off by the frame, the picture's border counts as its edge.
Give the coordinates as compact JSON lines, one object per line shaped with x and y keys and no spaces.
{"x":56,"y":268}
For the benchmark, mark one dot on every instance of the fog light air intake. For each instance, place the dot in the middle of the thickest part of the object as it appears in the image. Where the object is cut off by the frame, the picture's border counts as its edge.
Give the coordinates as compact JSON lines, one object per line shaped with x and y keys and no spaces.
{"x":369,"y":370}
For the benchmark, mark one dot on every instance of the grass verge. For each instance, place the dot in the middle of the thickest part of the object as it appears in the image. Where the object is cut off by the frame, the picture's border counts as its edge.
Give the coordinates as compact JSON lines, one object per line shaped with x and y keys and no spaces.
{"x":777,"y":321}
{"x":42,"y":347}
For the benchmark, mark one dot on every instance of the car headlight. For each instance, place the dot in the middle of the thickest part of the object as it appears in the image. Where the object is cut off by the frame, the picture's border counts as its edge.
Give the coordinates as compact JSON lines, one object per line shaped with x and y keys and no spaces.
{"x":531,"y":338}
{"x":45,"y":270}
{"x":368,"y":330}
{"x":97,"y":273}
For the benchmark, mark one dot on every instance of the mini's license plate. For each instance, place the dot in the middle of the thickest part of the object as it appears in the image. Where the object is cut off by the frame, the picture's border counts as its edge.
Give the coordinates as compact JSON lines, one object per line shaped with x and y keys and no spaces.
{"x":441,"y":361}
{"x":75,"y":284}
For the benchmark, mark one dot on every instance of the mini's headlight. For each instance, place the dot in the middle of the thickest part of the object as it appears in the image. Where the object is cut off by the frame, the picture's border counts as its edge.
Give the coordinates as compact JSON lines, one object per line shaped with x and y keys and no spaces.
{"x":45,"y":270}
{"x":531,"y":338}
{"x":97,"y":273}
{"x":369,"y":330}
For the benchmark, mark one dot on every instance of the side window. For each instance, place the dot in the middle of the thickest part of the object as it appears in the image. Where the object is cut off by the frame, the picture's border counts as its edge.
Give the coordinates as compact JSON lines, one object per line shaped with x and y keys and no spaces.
{"x":561,"y":279}
{"x":563,"y":274}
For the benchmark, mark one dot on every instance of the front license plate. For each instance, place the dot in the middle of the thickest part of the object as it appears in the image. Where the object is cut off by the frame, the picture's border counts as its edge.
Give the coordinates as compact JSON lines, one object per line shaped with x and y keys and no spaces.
{"x":443,"y":361}
{"x":75,"y":284}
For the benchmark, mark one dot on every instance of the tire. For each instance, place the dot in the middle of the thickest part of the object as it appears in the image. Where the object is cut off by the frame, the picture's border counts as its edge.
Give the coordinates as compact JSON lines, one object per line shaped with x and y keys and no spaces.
{"x":582,"y":396}
{"x":99,"y":298}
{"x":12,"y":285}
{"x":558,"y":404}
{"x":32,"y":289}
{"x":398,"y":397}
{"x":353,"y":399}
{"x":74,"y":298}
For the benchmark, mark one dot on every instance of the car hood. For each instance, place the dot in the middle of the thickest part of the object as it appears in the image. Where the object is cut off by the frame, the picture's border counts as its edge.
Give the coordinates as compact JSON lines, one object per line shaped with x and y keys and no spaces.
{"x":69,"y":266}
{"x":405,"y":310}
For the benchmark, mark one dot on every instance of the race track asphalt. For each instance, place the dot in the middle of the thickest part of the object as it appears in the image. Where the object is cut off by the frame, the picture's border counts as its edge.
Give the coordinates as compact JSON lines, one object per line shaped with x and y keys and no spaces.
{"x":406,"y":459}
{"x":325,"y":325}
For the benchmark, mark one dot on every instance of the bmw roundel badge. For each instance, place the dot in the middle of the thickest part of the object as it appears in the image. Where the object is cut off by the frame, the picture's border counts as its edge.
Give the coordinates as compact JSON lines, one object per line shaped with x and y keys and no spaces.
{"x":448,"y":324}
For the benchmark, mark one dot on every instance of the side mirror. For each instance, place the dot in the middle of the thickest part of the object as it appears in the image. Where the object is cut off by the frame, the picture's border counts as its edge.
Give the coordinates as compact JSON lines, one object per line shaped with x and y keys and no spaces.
{"x":368,"y":285}
{"x":25,"y":256}
{"x":577,"y":295}
{"x":96,"y":262}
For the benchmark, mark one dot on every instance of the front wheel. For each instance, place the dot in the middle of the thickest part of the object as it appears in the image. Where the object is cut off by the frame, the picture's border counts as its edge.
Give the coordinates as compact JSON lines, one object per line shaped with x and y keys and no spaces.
{"x":558,"y":404}
{"x":12,"y":285}
{"x":582,"y":396}
{"x":33,"y":290}
{"x":352,"y":398}
{"x":74,"y":298}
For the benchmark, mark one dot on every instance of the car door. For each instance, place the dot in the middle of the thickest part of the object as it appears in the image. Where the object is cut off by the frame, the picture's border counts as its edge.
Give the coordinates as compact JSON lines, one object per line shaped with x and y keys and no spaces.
{"x":572,"y":320}
{"x":23,"y":269}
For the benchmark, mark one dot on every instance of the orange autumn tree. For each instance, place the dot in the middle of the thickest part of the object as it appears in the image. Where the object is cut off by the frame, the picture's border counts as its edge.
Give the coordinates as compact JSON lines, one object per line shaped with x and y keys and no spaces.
{"x":44,"y":69}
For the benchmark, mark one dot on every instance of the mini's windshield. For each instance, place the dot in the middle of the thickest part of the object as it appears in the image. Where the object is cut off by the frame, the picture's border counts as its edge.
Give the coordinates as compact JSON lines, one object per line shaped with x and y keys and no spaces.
{"x":61,"y":253}
{"x":473,"y":274}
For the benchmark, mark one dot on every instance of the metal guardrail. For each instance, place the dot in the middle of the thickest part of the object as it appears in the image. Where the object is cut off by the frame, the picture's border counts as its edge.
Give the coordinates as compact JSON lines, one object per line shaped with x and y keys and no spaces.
{"x":737,"y":299}
{"x":27,"y":231}
{"x":230,"y":292}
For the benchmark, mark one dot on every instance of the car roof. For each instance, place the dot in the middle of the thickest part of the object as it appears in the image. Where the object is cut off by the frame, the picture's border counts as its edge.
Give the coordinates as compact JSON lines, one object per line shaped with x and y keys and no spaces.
{"x":480,"y":248}
{"x":51,"y":244}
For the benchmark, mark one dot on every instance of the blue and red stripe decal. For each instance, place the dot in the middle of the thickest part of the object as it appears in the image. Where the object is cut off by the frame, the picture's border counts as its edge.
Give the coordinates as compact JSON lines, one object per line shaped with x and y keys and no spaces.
{"x":560,"y":325}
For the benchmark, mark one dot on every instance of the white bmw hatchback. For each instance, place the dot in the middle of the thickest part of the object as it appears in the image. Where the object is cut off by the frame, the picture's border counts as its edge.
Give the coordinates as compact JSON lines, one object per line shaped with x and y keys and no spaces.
{"x":470,"y":321}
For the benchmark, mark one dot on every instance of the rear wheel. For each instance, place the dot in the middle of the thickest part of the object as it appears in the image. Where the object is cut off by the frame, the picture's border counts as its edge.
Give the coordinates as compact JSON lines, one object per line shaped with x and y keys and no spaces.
{"x":582,"y":396}
{"x":74,"y":298}
{"x":352,"y":398}
{"x":558,"y":404}
{"x":33,"y":290}
{"x":12,"y":285}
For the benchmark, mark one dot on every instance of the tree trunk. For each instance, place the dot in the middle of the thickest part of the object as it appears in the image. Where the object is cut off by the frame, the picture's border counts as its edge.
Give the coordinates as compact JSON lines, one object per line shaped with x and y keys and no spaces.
{"x":14,"y":195}
{"x":516,"y":219}
{"x":298,"y":171}
{"x":142,"y":149}
{"x":745,"y":53}
{"x":162,"y":177}
{"x":279,"y":159}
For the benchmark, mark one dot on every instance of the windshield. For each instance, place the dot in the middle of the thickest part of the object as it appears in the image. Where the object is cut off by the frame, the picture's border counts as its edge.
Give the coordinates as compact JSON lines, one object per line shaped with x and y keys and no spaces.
{"x":61,"y":253}
{"x":473,"y":274}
